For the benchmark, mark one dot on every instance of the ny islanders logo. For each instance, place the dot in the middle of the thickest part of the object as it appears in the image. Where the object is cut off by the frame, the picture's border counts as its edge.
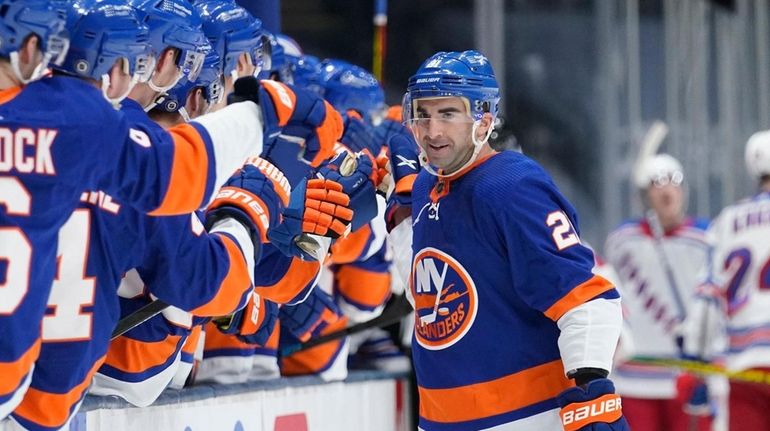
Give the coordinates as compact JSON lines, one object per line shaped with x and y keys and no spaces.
{"x":445,"y":299}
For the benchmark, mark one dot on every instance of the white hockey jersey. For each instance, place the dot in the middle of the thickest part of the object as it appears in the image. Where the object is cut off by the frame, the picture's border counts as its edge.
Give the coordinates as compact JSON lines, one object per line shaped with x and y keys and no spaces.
{"x":658,"y":278}
{"x":738,"y":301}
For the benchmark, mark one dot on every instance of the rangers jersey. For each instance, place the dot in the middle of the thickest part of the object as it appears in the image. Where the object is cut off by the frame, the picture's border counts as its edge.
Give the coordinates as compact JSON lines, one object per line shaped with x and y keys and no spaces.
{"x":496,"y":262}
{"x":658,"y":278}
{"x":738,"y":287}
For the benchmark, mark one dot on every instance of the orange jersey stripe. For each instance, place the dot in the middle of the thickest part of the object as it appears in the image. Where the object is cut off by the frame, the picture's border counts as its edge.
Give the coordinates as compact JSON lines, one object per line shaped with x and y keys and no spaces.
{"x":284,"y":100}
{"x":9,"y":94}
{"x":133,"y":356}
{"x":231,"y":290}
{"x":217,"y":340}
{"x":191,"y":342}
{"x":272,"y":342}
{"x":50,"y":409}
{"x":364,"y":287}
{"x":188,"y":172}
{"x":299,"y":275}
{"x":350,"y":248}
{"x":406,"y":184}
{"x":582,"y":293}
{"x":315,"y":359}
{"x":502,"y":395}
{"x":13,"y":372}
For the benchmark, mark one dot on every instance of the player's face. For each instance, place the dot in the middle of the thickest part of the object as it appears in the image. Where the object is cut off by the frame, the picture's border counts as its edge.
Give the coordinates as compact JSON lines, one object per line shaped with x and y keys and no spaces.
{"x":667,"y":200}
{"x":443,"y":129}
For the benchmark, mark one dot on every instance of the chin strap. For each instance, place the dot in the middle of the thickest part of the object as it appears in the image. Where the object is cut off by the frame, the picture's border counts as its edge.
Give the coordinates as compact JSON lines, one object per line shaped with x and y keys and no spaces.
{"x":38,"y":73}
{"x":115,"y":101}
{"x":477,"y":145}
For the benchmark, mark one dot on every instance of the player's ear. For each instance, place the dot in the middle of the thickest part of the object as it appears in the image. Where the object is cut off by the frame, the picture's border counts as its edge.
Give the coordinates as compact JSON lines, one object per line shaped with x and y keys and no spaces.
{"x":195,"y":102}
{"x":30,"y":50}
{"x":484,"y":124}
{"x":168,"y":56}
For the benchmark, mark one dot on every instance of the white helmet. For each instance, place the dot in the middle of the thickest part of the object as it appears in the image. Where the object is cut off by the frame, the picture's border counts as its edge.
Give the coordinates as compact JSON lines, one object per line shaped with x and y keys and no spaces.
{"x":758,"y":154}
{"x":659,"y":169}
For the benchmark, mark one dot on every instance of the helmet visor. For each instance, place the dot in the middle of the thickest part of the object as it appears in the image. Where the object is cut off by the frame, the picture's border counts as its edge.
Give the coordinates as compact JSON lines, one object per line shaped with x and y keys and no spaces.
{"x":191,"y":63}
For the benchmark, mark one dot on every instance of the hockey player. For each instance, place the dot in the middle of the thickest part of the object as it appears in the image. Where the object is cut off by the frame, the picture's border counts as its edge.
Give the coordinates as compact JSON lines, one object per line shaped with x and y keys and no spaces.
{"x":60,"y":384}
{"x":658,"y":259}
{"x":729,"y":321}
{"x":510,"y":324}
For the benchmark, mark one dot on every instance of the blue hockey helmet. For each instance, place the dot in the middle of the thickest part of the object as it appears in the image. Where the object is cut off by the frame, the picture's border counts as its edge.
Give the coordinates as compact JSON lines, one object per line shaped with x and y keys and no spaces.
{"x":290,"y":46}
{"x":103,"y":32}
{"x":210,"y":80}
{"x":466,"y":74}
{"x":21,"y":18}
{"x":347,"y":86}
{"x":175,"y":24}
{"x":280,"y":67}
{"x":232,"y":31}
{"x":306,"y":71}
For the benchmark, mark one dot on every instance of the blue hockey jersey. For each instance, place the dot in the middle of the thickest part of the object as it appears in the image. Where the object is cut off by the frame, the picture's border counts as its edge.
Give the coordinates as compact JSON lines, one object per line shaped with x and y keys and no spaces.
{"x":101,"y":241}
{"x":496,"y":262}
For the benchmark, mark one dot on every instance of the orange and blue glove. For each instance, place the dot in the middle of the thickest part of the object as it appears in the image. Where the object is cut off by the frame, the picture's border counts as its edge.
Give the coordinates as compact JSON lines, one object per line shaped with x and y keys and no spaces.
{"x":360,"y":184}
{"x":253,"y":323}
{"x":252,"y":198}
{"x":592,"y":407}
{"x":317,"y":206}
{"x":292,"y":116}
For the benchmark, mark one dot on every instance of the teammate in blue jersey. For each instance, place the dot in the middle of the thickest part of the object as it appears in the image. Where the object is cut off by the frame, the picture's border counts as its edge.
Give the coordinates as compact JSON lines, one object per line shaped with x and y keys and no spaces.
{"x":152,"y":171}
{"x":513,"y":331}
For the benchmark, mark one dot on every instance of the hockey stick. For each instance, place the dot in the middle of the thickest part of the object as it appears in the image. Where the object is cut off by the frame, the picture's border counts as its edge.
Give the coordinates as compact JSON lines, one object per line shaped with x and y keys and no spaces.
{"x":657,"y":233}
{"x":394,"y":312}
{"x":138,"y":317}
{"x":706,"y":369}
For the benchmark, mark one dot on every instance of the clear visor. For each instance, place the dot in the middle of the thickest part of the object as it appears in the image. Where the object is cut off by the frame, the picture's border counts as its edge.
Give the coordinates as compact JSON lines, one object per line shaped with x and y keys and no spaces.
{"x":190,"y":63}
{"x":215,"y":91}
{"x":421,"y":121}
{"x":56,"y":47}
{"x":144,"y":65}
{"x":263,"y":55}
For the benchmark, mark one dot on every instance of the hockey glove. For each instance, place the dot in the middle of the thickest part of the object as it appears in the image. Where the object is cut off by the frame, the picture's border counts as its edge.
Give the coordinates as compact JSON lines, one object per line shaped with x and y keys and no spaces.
{"x":308,"y":318}
{"x":300,"y":118}
{"x":692,"y":393}
{"x":253,"y":199}
{"x":594,"y":408}
{"x":405,"y":165}
{"x":317,"y":206}
{"x":358,"y":178}
{"x":358,"y":136}
{"x":253,"y":323}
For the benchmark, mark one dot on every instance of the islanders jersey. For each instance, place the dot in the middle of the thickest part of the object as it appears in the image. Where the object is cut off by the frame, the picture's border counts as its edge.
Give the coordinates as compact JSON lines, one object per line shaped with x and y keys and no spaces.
{"x":496,"y":262}
{"x":50,"y":154}
{"x":658,"y":279}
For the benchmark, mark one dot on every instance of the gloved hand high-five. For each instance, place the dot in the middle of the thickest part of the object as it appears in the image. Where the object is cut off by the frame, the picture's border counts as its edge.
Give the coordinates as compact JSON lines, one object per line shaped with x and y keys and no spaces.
{"x":595,"y":407}
{"x":252,"y":198}
{"x":317,"y":206}
{"x":356,"y":174}
{"x":293,"y":114}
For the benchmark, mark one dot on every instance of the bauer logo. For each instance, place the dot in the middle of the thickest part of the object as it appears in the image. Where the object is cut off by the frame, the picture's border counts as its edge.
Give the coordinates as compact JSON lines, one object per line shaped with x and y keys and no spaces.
{"x":445,"y":299}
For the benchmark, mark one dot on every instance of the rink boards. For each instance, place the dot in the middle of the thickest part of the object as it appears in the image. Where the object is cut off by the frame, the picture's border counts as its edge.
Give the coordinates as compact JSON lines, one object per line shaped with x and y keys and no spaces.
{"x":374,"y":401}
